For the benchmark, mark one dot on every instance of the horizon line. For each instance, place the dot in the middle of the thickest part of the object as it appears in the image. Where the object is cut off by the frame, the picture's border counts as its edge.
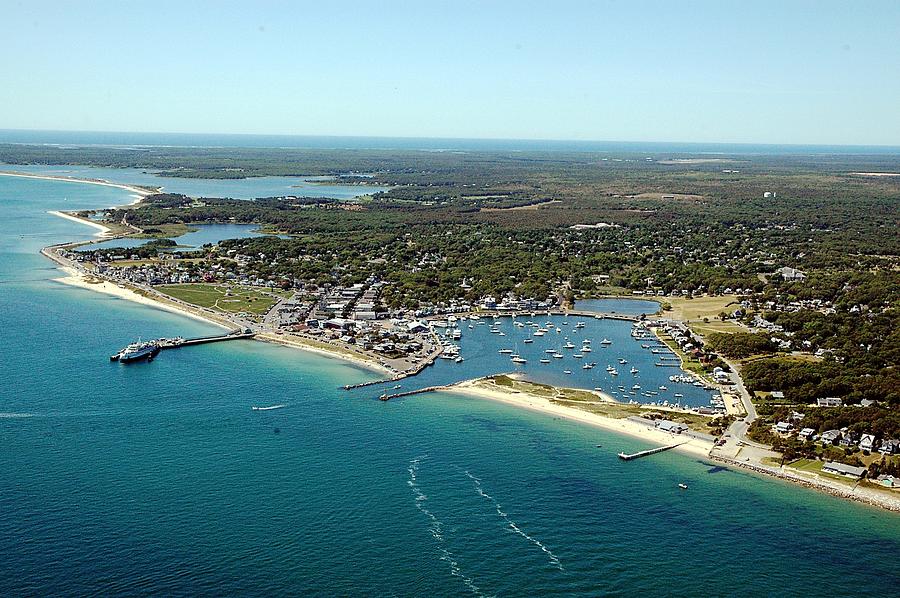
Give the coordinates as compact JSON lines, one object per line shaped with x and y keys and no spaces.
{"x":442,"y":138}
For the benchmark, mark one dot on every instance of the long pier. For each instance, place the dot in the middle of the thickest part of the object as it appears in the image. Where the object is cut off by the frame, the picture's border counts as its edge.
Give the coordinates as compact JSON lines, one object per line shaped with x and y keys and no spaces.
{"x":648,"y":452}
{"x":202,"y":340}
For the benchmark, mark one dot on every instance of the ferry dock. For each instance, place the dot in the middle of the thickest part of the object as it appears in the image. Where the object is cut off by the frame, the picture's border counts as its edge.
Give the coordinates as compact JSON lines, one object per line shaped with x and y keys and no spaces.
{"x":648,"y":452}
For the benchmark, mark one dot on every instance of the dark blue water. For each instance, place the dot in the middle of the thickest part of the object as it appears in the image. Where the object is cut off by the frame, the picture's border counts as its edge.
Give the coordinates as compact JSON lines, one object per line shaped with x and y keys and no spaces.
{"x":418,"y":143}
{"x":205,"y":234}
{"x":159,"y":479}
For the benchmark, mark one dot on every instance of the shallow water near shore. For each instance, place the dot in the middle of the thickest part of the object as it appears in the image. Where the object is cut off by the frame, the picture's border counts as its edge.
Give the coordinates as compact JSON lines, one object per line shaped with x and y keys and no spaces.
{"x":159,"y":478}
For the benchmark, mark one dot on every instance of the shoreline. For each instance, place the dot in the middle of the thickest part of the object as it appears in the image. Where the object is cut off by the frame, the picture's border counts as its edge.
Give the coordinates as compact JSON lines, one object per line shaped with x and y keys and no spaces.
{"x":142,"y":192}
{"x":692,"y":446}
{"x":104,"y":232}
{"x":477,"y":389}
{"x":854,"y":493}
{"x":79,"y":279}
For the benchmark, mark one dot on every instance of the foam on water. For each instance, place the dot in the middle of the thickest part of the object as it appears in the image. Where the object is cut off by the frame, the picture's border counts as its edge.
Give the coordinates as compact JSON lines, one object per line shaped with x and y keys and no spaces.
{"x":512,"y":524}
{"x":436,"y":526}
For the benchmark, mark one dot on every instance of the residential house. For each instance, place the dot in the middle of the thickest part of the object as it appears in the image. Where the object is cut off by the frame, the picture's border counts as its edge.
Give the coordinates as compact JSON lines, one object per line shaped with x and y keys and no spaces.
{"x":784,"y":427}
{"x":849,"y":471}
{"x":830,"y":402}
{"x":806,"y":434}
{"x":889,"y":446}
{"x":830,"y":437}
{"x":867,"y":442}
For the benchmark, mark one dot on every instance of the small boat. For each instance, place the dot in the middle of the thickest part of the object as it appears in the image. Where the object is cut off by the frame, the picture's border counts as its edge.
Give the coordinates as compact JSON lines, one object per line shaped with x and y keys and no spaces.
{"x":679,"y":395}
{"x":664,"y":388}
{"x":517,"y":359}
{"x":459,"y":359}
{"x":567,"y":371}
{"x":683,"y":486}
{"x":396,"y":386}
{"x":623,"y":361}
{"x":545,"y":360}
{"x":634,"y":370}
{"x":557,"y":355}
{"x":606,"y":341}
{"x":528,"y":340}
{"x":505,"y":351}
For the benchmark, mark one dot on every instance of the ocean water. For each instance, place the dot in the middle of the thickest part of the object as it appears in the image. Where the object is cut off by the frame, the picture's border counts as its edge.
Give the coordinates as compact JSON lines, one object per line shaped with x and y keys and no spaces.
{"x":159,"y":479}
{"x":127,"y":140}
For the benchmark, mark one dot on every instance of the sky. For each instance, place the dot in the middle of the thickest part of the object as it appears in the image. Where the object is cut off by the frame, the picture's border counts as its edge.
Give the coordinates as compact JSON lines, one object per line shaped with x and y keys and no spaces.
{"x":804,"y":72}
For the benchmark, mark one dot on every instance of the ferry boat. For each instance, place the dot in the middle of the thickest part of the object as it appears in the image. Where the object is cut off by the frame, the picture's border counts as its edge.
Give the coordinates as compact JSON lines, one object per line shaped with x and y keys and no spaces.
{"x":136,"y":352}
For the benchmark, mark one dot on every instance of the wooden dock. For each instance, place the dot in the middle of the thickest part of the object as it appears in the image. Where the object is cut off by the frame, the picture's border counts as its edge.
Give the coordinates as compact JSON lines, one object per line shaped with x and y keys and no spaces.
{"x":648,"y":452}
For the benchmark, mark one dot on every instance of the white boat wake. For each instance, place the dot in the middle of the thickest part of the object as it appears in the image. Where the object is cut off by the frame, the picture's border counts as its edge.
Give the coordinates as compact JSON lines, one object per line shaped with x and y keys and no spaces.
{"x":512,"y":524}
{"x":254,"y":408}
{"x":436,"y":527}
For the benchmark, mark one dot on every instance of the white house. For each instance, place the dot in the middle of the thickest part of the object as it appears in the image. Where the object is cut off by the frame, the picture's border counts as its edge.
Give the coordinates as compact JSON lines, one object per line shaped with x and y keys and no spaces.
{"x":867,"y":442}
{"x":806,"y":434}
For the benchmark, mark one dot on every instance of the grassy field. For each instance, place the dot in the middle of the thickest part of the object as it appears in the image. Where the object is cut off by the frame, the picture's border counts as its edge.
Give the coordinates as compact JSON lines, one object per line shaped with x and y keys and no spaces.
{"x":226,"y":298}
{"x":692,"y":310}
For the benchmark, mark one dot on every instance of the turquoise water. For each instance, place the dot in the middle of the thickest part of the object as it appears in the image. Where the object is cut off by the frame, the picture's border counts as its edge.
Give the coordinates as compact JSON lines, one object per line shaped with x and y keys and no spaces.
{"x":234,"y":188}
{"x":158,"y":478}
{"x":205,"y":233}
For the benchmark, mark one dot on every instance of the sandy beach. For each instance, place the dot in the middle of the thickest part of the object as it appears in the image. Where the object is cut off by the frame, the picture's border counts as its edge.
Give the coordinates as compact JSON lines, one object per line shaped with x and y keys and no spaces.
{"x":485,"y":390}
{"x":103,"y":232}
{"x":303,"y":344}
{"x":75,"y":278}
{"x":139,"y":191}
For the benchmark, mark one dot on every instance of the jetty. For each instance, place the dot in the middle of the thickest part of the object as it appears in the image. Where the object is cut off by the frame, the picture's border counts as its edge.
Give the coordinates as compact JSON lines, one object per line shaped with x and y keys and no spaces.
{"x":648,"y":452}
{"x":418,"y":391}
